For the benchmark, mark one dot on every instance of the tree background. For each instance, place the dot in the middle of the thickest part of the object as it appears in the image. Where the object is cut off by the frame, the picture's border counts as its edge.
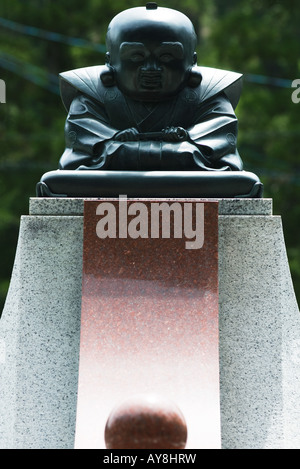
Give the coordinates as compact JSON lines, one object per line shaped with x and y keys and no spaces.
{"x":41,"y":38}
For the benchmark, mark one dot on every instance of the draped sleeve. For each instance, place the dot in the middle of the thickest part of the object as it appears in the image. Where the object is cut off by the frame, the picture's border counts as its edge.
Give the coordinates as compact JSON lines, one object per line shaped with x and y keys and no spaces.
{"x":87,"y":128}
{"x":214,"y":133}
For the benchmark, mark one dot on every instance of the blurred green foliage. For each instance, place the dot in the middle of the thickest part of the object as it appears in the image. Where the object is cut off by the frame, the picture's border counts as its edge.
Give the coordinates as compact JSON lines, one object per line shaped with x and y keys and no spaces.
{"x":259,"y":38}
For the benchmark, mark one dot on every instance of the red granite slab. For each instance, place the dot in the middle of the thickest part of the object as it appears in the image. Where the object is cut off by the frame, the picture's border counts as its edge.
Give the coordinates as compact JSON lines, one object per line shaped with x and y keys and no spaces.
{"x":149,"y":325}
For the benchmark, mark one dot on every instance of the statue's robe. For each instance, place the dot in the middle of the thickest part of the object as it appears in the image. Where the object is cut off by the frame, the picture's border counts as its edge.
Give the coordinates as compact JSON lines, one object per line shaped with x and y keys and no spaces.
{"x":96,"y":113}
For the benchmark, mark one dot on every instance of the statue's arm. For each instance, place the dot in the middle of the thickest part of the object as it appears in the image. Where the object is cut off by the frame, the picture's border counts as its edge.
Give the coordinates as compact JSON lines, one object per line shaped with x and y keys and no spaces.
{"x":215,"y":134}
{"x":92,"y":143}
{"x":210,"y":143}
{"x":89,"y":137}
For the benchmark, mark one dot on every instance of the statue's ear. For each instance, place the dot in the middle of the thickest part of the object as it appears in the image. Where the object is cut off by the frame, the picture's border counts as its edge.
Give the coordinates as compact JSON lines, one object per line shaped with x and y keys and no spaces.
{"x":194,"y":58}
{"x":107,"y":58}
{"x":107,"y":75}
{"x":194,"y":79}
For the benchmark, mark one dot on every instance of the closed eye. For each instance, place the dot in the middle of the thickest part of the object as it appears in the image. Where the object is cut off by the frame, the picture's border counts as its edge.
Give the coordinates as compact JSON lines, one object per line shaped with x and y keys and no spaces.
{"x":165,"y":58}
{"x":137,"y":58}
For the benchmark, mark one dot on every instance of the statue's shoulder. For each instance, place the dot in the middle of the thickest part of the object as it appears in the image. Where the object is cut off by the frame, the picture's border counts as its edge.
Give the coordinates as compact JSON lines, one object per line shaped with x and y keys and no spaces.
{"x":83,"y":80}
{"x":215,"y":81}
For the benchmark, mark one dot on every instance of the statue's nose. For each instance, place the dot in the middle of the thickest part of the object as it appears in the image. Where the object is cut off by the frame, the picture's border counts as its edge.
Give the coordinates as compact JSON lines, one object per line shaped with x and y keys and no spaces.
{"x":151,"y":65}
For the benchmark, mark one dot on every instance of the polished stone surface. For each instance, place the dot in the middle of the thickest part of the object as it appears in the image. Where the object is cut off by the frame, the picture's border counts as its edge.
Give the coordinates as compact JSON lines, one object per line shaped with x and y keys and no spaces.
{"x":137,"y":184}
{"x":149,"y":324}
{"x":146,"y":422}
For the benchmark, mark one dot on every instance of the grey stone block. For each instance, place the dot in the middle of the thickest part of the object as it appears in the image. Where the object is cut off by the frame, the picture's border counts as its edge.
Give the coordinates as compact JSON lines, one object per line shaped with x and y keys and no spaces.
{"x":259,"y":336}
{"x":74,"y":206}
{"x":39,"y":333}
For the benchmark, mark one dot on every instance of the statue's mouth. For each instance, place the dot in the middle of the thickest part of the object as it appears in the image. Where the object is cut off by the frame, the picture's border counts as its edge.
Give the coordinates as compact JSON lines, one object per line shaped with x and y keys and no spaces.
{"x":151,"y":80}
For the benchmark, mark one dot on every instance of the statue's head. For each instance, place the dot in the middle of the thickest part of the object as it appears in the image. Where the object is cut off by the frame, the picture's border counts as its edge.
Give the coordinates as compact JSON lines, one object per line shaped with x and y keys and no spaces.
{"x":151,"y":51}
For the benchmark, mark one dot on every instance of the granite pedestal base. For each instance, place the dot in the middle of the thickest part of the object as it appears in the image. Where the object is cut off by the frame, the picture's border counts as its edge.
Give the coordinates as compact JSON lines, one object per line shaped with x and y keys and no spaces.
{"x":259,"y":329}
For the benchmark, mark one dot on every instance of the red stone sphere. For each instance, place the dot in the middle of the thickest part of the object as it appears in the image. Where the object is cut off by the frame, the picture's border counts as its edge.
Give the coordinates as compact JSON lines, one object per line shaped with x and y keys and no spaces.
{"x":146,"y":422}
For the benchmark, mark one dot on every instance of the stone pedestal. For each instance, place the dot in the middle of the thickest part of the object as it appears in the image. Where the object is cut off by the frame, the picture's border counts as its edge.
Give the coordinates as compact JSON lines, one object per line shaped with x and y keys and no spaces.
{"x":259,"y":329}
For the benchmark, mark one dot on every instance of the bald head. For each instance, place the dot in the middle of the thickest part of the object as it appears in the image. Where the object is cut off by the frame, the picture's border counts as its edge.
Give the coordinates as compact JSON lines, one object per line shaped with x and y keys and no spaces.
{"x":142,"y":22}
{"x":152,"y":50}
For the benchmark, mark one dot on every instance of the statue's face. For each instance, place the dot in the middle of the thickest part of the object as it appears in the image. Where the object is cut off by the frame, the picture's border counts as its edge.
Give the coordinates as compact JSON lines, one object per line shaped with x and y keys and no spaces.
{"x":150,"y":70}
{"x":153,"y":63}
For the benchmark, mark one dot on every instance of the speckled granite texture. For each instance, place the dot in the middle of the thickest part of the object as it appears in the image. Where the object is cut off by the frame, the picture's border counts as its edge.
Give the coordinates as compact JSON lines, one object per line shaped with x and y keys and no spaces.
{"x":74,"y":206}
{"x":39,"y":333}
{"x":149,"y":323}
{"x":258,"y":318}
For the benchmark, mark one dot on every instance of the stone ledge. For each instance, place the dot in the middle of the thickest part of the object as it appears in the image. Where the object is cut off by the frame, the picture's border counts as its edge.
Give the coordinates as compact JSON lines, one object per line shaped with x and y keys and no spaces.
{"x":74,"y":206}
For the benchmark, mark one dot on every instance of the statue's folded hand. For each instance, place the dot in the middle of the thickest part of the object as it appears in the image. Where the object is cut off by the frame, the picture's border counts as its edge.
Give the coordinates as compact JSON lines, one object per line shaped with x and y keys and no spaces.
{"x":175,"y":134}
{"x":127,"y":135}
